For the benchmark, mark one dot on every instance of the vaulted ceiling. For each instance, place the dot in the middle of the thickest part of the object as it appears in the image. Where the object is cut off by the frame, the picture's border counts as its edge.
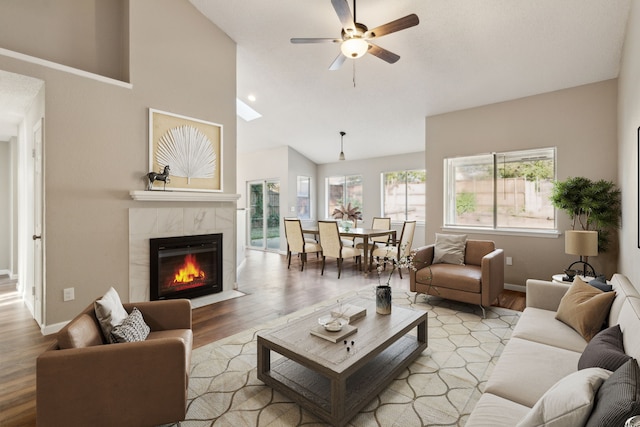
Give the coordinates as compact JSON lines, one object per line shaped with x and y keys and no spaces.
{"x":464,"y":53}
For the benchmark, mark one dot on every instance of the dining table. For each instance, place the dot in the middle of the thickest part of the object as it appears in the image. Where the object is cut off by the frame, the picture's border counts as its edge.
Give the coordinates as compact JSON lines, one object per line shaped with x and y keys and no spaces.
{"x":364,"y":233}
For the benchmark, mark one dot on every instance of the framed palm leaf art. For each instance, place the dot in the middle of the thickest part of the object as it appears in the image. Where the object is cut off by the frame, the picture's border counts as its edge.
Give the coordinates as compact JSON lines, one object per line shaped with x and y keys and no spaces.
{"x":192,"y":149}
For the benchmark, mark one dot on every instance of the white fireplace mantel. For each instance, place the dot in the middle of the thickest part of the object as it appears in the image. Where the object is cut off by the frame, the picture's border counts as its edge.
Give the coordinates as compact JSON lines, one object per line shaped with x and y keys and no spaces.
{"x":182,"y":196}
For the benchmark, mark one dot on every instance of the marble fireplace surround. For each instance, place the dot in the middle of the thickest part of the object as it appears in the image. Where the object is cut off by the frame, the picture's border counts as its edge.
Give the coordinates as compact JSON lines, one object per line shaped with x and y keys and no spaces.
{"x":148,"y":223}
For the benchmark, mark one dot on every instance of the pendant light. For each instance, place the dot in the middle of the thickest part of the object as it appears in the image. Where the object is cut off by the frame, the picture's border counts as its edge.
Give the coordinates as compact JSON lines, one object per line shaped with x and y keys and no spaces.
{"x":341,"y":156}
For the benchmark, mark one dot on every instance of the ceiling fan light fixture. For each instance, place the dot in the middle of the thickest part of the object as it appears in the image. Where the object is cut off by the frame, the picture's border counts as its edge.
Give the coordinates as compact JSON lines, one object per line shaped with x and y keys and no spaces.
{"x":354,"y":47}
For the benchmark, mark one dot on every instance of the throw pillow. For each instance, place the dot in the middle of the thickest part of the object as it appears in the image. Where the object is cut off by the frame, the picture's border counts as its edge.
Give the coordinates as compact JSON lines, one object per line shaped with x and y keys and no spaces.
{"x":132,"y":329}
{"x":110,"y":312}
{"x":618,"y":398}
{"x":449,"y":248}
{"x":601,"y":284}
{"x":585,"y":308}
{"x":605,"y":350}
{"x":568,"y":402}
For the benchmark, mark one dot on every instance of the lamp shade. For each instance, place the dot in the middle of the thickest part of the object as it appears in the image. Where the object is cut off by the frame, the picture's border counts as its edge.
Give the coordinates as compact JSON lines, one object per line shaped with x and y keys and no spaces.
{"x":581,"y":242}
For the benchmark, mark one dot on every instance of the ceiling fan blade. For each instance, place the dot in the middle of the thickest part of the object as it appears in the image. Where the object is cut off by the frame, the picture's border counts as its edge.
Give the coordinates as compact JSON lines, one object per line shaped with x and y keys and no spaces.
{"x":344,"y":14}
{"x":314,"y":40}
{"x":393,"y":26}
{"x":383,"y":54}
{"x":337,"y":63}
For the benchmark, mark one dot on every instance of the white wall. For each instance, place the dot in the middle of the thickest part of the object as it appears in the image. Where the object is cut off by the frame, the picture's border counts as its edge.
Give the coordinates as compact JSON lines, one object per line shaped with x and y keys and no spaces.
{"x":6,"y":227}
{"x":628,"y":140}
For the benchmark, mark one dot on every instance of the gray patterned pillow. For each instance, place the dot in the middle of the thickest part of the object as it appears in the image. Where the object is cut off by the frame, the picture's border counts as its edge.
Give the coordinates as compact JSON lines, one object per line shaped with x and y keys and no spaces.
{"x":132,"y":329}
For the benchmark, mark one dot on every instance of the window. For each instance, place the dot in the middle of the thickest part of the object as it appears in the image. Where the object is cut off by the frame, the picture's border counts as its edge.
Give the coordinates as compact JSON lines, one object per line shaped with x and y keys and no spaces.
{"x":342,"y":190}
{"x":403,"y":195}
{"x":303,"y":198}
{"x":501,"y":190}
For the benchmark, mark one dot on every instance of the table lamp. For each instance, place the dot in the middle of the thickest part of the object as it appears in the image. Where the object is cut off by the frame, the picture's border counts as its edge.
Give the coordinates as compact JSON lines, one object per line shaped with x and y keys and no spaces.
{"x":583,"y":243}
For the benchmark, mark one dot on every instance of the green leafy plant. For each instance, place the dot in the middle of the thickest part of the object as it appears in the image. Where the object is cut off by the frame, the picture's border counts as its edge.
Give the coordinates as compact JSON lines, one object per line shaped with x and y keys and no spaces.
{"x":465,"y":202}
{"x":591,"y":205}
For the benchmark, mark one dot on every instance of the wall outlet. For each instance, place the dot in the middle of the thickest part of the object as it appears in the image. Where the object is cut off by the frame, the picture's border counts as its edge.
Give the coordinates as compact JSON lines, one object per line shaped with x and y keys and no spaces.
{"x":69,"y":294}
{"x":509,"y":260}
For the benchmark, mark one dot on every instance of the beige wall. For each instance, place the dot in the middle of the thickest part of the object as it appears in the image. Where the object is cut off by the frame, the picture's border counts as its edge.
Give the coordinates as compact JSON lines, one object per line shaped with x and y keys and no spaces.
{"x":86,"y":34}
{"x":580,"y":122}
{"x":628,"y":122}
{"x":96,"y":140}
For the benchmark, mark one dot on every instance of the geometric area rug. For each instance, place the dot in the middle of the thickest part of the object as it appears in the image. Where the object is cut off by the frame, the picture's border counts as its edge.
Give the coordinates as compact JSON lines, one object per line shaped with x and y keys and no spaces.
{"x":440,"y":388}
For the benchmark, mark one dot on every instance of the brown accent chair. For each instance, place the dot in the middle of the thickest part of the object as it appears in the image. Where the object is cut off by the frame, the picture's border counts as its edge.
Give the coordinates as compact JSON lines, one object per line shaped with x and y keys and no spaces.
{"x":83,"y":381}
{"x":479,"y":281}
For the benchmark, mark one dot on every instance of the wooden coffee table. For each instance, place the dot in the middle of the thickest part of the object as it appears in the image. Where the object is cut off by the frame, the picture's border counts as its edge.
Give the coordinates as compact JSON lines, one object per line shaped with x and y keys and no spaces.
{"x":326,"y":379}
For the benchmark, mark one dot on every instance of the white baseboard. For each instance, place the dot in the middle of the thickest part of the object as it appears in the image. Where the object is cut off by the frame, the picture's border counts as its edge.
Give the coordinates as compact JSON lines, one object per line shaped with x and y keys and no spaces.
{"x":52,"y":329}
{"x":5,"y":273}
{"x":512,"y":287}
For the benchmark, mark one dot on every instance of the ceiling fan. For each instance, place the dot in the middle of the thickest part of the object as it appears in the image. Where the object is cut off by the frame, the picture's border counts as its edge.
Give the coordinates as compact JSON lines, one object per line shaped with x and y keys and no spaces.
{"x":355,"y":37}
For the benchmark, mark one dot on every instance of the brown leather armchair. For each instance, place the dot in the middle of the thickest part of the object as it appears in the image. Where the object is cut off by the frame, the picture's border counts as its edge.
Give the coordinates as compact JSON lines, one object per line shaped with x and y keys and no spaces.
{"x":82,"y":381}
{"x":479,"y":281}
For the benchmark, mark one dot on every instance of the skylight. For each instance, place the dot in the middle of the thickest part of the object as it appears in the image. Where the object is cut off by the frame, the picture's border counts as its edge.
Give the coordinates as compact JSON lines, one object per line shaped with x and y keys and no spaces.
{"x":245,"y":112}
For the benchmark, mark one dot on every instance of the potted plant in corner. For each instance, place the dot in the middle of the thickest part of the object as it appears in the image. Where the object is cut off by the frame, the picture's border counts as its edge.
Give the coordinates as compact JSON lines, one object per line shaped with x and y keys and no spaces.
{"x":592,"y":205}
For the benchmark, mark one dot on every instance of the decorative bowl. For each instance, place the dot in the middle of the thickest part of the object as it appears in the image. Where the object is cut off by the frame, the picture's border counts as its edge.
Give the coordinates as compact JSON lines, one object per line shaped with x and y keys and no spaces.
{"x":332,"y":324}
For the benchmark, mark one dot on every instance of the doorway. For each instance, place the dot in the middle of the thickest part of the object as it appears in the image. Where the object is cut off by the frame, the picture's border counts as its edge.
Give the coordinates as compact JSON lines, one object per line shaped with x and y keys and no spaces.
{"x":264,"y":215}
{"x":21,"y":123}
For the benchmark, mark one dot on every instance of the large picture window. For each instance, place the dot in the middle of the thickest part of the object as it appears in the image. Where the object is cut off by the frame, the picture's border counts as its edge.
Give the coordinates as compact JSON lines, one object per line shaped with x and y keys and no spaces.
{"x":342,"y":190}
{"x":403,"y":195}
{"x":501,"y":190}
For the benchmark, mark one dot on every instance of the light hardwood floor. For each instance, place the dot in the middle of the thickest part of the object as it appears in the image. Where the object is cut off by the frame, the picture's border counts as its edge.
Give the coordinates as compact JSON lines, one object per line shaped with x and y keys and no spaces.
{"x":271,"y":291}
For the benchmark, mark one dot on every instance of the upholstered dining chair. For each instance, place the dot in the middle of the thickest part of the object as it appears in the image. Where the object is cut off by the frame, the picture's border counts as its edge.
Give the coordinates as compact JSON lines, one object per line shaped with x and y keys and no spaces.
{"x":332,"y":245}
{"x":297,"y":243}
{"x":394,"y":251}
{"x":378,"y":223}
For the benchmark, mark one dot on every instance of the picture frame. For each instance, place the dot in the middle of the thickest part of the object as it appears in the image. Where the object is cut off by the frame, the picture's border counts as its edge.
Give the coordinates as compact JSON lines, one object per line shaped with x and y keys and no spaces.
{"x":192,"y":148}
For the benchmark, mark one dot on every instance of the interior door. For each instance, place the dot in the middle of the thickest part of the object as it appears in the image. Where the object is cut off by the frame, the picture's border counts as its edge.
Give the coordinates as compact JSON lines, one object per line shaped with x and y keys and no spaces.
{"x":38,"y":288}
{"x":264,"y":215}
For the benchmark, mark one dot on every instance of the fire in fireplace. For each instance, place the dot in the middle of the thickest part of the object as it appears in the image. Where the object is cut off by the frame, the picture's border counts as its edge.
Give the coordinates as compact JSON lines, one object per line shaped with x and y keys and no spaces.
{"x":185,"y":266}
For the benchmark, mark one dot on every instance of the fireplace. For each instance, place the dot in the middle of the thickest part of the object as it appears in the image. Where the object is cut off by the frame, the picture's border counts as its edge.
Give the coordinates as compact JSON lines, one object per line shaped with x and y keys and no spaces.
{"x":185,"y":266}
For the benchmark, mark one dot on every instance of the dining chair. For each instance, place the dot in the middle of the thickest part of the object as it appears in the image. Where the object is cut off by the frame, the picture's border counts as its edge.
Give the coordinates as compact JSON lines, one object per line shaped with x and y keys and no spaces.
{"x":297,"y":243}
{"x":395,"y":251}
{"x":332,"y":245}
{"x":378,"y":223}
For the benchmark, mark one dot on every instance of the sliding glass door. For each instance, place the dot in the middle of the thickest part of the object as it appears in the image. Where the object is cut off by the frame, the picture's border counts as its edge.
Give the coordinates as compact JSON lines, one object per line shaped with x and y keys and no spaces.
{"x":264,"y":215}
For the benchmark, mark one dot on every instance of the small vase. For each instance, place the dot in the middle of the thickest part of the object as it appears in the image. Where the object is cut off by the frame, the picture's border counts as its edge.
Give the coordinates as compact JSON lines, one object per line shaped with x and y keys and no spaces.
{"x":383,"y":299}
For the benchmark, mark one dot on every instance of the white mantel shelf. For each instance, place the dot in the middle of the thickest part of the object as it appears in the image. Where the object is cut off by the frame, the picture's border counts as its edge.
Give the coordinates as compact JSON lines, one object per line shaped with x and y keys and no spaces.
{"x":182,"y":196}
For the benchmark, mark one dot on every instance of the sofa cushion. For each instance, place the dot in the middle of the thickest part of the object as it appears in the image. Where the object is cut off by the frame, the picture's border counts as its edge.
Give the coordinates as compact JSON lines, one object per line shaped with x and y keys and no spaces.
{"x":461,"y":277}
{"x":527,"y":369}
{"x":83,"y":331}
{"x":449,"y":248}
{"x":618,"y":398}
{"x":132,"y":329}
{"x":568,"y":402}
{"x":492,"y":411}
{"x":536,"y":324}
{"x":605,"y":350}
{"x":585,"y":308}
{"x":629,"y":321}
{"x":110,"y":312}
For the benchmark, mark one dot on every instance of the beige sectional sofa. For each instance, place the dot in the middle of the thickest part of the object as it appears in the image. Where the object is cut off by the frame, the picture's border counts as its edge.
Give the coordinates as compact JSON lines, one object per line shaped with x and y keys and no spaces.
{"x":543,"y":350}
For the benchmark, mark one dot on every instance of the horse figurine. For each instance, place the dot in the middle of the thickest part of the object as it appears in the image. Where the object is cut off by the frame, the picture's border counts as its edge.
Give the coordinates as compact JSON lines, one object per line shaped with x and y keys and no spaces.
{"x":164,"y":176}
